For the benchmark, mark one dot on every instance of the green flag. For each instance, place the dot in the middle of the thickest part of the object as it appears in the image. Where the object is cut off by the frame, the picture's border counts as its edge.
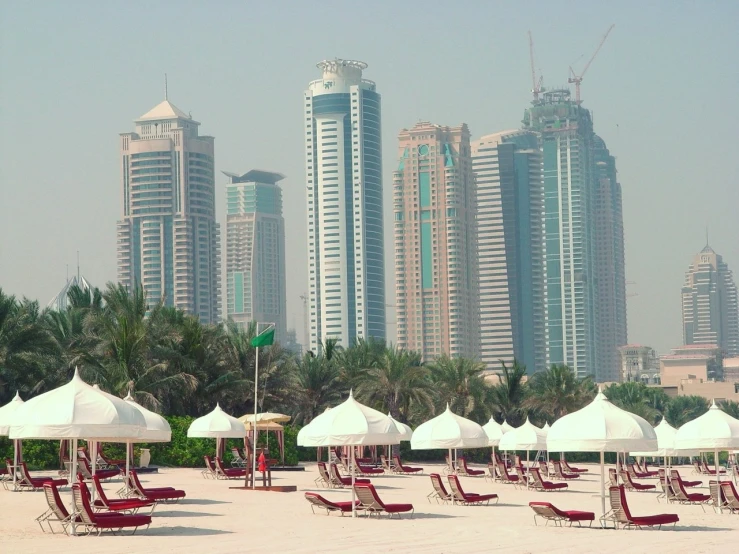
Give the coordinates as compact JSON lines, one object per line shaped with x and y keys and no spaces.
{"x":265,"y":338}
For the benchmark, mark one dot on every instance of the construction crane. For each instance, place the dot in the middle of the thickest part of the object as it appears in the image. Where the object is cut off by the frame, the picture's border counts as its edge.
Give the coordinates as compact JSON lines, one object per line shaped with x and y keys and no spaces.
{"x":577,"y":79}
{"x":536,"y":85}
{"x":306,"y":331}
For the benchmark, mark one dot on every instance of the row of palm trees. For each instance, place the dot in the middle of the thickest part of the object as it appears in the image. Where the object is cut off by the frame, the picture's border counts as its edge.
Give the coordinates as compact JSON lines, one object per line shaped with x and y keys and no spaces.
{"x":175,"y":365}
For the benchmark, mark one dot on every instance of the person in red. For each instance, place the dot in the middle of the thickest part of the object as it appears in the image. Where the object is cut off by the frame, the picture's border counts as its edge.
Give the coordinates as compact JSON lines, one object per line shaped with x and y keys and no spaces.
{"x":262,"y":462}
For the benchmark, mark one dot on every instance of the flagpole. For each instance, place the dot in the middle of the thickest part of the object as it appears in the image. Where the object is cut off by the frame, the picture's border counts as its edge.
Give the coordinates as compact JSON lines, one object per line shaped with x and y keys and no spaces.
{"x":254,"y":422}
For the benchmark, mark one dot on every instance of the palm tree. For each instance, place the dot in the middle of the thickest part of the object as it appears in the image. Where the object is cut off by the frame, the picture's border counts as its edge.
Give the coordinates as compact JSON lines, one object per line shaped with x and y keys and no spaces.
{"x":396,"y":381}
{"x":557,"y":392}
{"x":637,"y":398}
{"x":353,"y":362}
{"x":508,"y":395}
{"x":315,"y":385}
{"x":459,"y":383}
{"x":730,"y":407}
{"x":682,"y":409}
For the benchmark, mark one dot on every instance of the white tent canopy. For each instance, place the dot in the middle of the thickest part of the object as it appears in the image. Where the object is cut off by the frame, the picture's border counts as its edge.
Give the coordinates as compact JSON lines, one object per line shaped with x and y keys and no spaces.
{"x":493,"y":431}
{"x":6,"y":414}
{"x":404,"y":430}
{"x":506,"y":426}
{"x":448,"y":430}
{"x":217,"y":425}
{"x":713,"y":430}
{"x":666,"y":443}
{"x":77,"y":410}
{"x":527,"y":437}
{"x":349,"y":423}
{"x":546,"y":428}
{"x":157,"y":428}
{"x":265,"y":417}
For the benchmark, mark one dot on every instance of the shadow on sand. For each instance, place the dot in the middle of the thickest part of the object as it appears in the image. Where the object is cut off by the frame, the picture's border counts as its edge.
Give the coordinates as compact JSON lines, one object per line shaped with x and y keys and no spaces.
{"x":178,"y":531}
{"x":184,"y":514}
{"x":202,"y":502}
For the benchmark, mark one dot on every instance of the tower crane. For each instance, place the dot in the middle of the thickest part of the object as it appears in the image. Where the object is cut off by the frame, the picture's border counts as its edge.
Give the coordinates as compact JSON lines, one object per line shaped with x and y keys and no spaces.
{"x":577,"y":79}
{"x":536,"y":85}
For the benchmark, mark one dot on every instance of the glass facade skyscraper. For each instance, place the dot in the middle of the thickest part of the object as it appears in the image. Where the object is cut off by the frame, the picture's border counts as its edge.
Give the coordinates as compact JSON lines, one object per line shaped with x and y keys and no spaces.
{"x":345,"y":219}
{"x":168,"y":238}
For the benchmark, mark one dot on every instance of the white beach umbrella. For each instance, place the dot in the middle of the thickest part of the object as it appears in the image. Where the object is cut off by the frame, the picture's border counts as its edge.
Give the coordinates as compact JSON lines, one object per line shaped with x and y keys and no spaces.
{"x":404,"y":431}
{"x":527,"y":437}
{"x":351,"y":423}
{"x":217,"y":425}
{"x":6,"y":416}
{"x":506,"y":426}
{"x":157,"y":428}
{"x":601,"y":427}
{"x":494,"y":432}
{"x":713,"y":431}
{"x":265,"y":417}
{"x":666,"y":434}
{"x":546,"y":428}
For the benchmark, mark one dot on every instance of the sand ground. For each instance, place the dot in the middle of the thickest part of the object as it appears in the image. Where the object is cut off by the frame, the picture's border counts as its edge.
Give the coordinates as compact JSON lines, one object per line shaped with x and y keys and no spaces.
{"x":216,"y":518}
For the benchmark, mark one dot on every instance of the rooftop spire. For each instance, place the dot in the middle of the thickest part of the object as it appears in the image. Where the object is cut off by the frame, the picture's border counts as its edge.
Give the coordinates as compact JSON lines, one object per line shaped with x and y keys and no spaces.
{"x":165,"y":87}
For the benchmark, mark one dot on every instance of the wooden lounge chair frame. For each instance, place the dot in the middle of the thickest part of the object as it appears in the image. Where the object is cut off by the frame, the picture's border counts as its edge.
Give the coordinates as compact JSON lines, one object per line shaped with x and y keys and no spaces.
{"x":386,"y":465}
{"x":440,"y":494}
{"x":127,"y":505}
{"x":718,"y":498}
{"x":632,"y":485}
{"x":339,"y":481}
{"x":323,"y":479}
{"x":403,"y":469}
{"x":371,"y":503}
{"x":167,"y":495}
{"x":731,"y":496}
{"x":536,"y":482}
{"x":236,"y":459}
{"x":91,"y":522}
{"x":229,"y":473}
{"x":548,"y":512}
{"x":318,"y":501}
{"x":24,"y":480}
{"x":675,"y":474}
{"x":468,"y":499}
{"x":620,"y":513}
{"x":684,"y":497}
{"x":559,"y":474}
{"x":462,"y":469}
{"x":506,"y":477}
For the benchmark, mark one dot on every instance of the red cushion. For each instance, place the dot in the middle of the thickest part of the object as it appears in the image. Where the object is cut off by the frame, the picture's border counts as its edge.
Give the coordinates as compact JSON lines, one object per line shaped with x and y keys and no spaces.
{"x":692,"y":483}
{"x":480,"y":497}
{"x":395,"y":508}
{"x":576,"y":515}
{"x":552,"y":486}
{"x":39,"y":481}
{"x":698,"y":497}
{"x":475,"y":471}
{"x":660,"y":519}
{"x":116,"y":521}
{"x":408,"y":469}
{"x":158,"y":489}
{"x":643,"y":487}
{"x":106,"y":473}
{"x":165,"y":495}
{"x":124,"y":504}
{"x":370,"y":470}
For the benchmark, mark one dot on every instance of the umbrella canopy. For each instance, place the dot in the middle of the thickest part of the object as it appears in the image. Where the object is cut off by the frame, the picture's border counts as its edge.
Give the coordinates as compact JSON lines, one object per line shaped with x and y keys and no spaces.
{"x":157,"y":428}
{"x":527,"y":437}
{"x":349,"y":423}
{"x":265,"y":417}
{"x":404,"y":430}
{"x":546,"y":428}
{"x":601,"y":427}
{"x":264,"y":426}
{"x":77,"y":410}
{"x":714,"y":430}
{"x":6,"y":414}
{"x":666,"y":443}
{"x":448,"y":430}
{"x":494,"y":432}
{"x":506,"y":426}
{"x":217,"y":425}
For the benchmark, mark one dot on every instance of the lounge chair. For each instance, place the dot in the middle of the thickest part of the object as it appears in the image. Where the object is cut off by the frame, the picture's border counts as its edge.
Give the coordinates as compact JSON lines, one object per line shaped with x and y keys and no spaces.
{"x":110,"y":462}
{"x":731,"y":496}
{"x":735,"y":471}
{"x":316,"y":500}
{"x":543,"y":468}
{"x":56,"y":512}
{"x":633,"y":485}
{"x":154,"y":494}
{"x":405,"y":469}
{"x":697,"y":467}
{"x":684,"y":497}
{"x":621,"y":515}
{"x":386,"y":465}
{"x":712,"y":470}
{"x":517,"y":462}
{"x":549,"y":512}
{"x":366,"y":470}
{"x":102,"y":474}
{"x":635,"y":473}
{"x":644,"y":471}
{"x":571,"y":469}
{"x":462,"y":469}
{"x":210,"y":471}
{"x":560,"y":473}
{"x":8,"y":475}
{"x":675,"y":474}
{"x":613,"y":477}
{"x":506,"y":477}
{"x":223,"y":472}
{"x":24,"y":480}
{"x":492,"y":473}
{"x":439,"y":493}
{"x":340,"y":481}
{"x":718,"y":498}
{"x":92,"y":522}
{"x":541,"y":485}
{"x":236,"y":459}
{"x":467,"y":499}
{"x":323,"y":479}
{"x":448,"y":468}
{"x":371,"y":503}
{"x":667,"y":491}
{"x":127,"y":505}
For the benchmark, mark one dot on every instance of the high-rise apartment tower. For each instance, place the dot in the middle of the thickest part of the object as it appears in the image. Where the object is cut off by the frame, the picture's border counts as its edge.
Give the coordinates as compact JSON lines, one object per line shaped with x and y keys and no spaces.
{"x":168,"y":238}
{"x":710,"y":305}
{"x":345,"y":220}
{"x":510,"y":249}
{"x":435,"y":253}
{"x":255,"y":250}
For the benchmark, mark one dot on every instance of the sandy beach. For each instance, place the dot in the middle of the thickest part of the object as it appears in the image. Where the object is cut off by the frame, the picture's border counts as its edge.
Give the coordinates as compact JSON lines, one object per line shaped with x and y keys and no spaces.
{"x":214,"y":517}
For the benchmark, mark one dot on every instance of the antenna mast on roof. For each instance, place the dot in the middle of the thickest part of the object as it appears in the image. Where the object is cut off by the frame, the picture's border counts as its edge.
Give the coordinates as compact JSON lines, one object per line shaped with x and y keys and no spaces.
{"x":577,"y":79}
{"x":78,"y":267}
{"x":536,"y":86}
{"x":165,"y":87}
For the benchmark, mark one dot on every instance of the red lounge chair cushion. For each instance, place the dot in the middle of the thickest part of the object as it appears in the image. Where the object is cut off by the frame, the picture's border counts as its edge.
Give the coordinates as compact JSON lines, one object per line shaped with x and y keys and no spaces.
{"x":475,"y":471}
{"x":698,"y":497}
{"x":39,"y":481}
{"x":115,"y":521}
{"x":370,"y":470}
{"x":643,"y":487}
{"x":107,"y":473}
{"x":692,"y":483}
{"x":234,"y":472}
{"x":660,"y":519}
{"x":124,"y":504}
{"x":397,"y":508}
{"x":158,"y":489}
{"x":475,"y":497}
{"x":164,"y":495}
{"x":341,"y":506}
{"x":408,"y":469}
{"x":548,"y":485}
{"x":577,"y":515}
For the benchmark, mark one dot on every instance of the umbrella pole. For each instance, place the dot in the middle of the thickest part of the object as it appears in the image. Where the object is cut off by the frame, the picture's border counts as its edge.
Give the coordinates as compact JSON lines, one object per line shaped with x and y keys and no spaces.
{"x":527,"y":470}
{"x":15,"y":463}
{"x":256,"y":390}
{"x":72,"y":477}
{"x":351,"y":463}
{"x":128,"y":463}
{"x":602,"y":486}
{"x":93,"y":455}
{"x":715,"y":463}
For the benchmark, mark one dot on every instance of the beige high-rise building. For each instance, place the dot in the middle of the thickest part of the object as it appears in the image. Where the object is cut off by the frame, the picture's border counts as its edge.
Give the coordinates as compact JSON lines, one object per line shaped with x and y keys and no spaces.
{"x":168,"y":238}
{"x":435,"y":242}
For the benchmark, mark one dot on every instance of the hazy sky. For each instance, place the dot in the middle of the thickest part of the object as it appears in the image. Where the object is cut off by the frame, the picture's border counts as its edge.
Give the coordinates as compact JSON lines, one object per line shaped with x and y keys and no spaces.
{"x":74,"y":74}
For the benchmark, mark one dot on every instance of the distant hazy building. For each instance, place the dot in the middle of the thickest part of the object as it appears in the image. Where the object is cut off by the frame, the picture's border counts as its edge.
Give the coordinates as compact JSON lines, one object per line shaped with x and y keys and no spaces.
{"x":345,"y":219}
{"x":694,"y":362}
{"x":168,"y":238}
{"x":609,"y":269}
{"x":510,"y":203}
{"x":709,"y":303}
{"x":255,"y":250}
{"x":566,"y":131}
{"x":60,"y":302}
{"x":435,"y":254}
{"x":639,"y":364}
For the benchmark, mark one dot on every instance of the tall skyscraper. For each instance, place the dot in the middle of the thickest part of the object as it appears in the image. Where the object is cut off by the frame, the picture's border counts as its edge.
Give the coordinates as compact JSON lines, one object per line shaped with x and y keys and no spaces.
{"x":435,"y":252}
{"x":566,"y":132}
{"x":710,"y":305}
{"x":255,"y":250}
{"x":168,"y":239}
{"x":510,"y":203}
{"x":344,"y":185}
{"x":610,"y":265}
